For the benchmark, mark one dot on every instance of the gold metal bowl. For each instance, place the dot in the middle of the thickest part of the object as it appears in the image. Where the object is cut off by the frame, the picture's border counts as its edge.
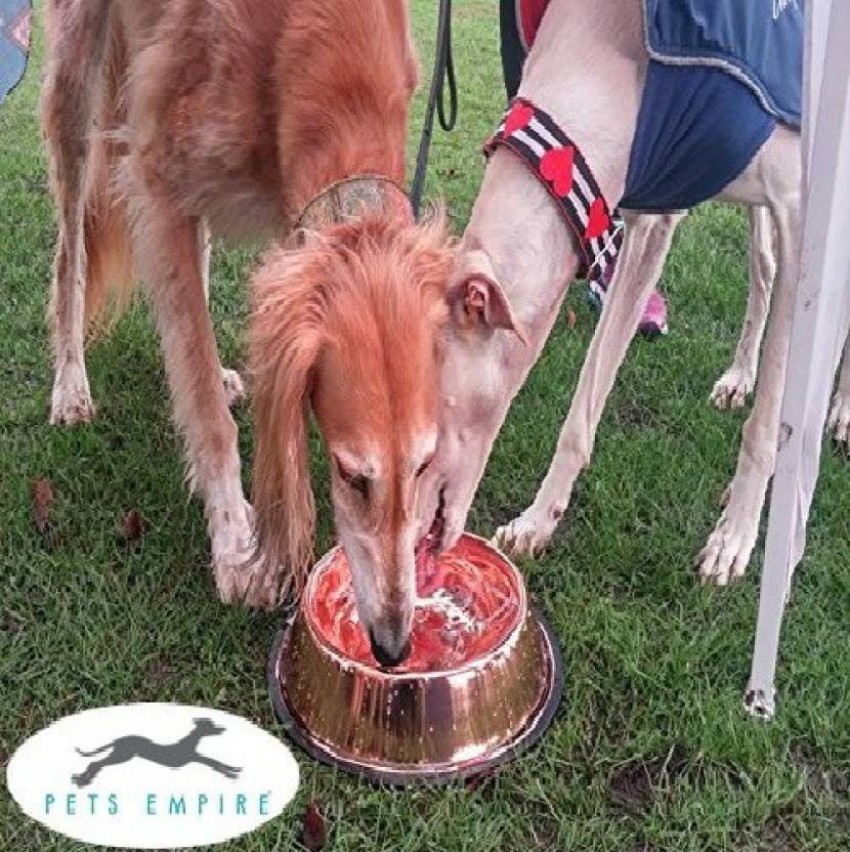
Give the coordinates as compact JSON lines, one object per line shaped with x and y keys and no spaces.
{"x":401,"y":726}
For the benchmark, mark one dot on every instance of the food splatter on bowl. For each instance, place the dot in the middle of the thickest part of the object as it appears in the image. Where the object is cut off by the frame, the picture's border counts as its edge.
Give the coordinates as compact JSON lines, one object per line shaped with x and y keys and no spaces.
{"x":466,"y":604}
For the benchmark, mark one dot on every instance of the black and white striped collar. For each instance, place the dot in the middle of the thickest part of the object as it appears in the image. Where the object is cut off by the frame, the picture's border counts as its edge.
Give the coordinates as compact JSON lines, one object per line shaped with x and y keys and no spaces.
{"x":556,"y":161}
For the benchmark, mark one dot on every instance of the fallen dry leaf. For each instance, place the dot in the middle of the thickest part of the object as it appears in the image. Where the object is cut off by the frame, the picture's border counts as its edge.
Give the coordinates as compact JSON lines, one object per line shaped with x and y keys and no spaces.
{"x":314,"y":835}
{"x":635,"y":785}
{"x":571,"y":319}
{"x":42,"y":503}
{"x":132,"y":526}
{"x":159,"y":671}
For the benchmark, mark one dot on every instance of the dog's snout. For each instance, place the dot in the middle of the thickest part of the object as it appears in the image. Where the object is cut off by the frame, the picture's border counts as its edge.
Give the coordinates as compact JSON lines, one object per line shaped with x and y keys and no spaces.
{"x":389,"y":647}
{"x":392,"y":656}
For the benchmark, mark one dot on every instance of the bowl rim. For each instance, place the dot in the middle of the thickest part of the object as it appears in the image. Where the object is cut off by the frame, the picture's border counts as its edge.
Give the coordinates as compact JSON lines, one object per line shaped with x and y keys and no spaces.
{"x":502,"y":647}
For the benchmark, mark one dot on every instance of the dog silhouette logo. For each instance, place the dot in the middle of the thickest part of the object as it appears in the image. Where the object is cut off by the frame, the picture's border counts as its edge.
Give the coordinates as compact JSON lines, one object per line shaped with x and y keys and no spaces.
{"x":163,"y":776}
{"x":171,"y":755}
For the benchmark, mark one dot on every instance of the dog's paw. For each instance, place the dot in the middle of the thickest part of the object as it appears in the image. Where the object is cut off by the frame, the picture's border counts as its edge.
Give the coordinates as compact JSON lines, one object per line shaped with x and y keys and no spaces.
{"x":727,"y":551}
{"x":234,"y":387}
{"x":733,"y":387}
{"x":838,"y":422}
{"x":71,"y":401}
{"x":240,"y":575}
{"x":80,"y":780}
{"x":264,"y":588}
{"x":526,"y":535}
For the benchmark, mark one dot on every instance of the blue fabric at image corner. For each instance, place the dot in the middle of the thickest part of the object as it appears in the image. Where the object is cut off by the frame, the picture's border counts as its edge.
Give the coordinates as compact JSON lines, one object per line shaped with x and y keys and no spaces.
{"x":761,"y":41}
{"x":697,"y":130}
{"x":15,"y":22}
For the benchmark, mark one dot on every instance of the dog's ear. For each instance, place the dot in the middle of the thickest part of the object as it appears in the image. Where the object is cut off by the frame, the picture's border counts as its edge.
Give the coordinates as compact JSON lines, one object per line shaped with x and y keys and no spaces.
{"x":476,"y":299}
{"x":284,"y":345}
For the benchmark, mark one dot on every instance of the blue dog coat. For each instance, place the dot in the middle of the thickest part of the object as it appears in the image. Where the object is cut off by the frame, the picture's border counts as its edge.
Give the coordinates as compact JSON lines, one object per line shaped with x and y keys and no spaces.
{"x":721,"y":74}
{"x":760,"y":42}
{"x":697,"y":130}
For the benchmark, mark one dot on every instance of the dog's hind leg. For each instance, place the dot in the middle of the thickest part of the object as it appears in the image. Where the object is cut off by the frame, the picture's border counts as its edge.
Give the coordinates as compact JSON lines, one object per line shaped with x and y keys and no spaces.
{"x":77,"y":35}
{"x":839,"y":412}
{"x":639,"y":267}
{"x":83,"y":779}
{"x":733,"y":387}
{"x":234,"y":388}
{"x":727,"y":552}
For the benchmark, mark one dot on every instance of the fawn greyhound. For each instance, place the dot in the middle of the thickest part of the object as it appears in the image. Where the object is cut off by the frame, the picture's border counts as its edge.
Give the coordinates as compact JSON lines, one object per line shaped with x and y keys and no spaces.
{"x":587,"y":67}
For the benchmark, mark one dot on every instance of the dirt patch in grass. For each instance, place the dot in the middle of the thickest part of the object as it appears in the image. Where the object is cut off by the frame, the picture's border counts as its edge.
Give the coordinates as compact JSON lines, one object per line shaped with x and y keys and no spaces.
{"x":635,"y":786}
{"x":632,"y":415}
{"x":819,"y":778}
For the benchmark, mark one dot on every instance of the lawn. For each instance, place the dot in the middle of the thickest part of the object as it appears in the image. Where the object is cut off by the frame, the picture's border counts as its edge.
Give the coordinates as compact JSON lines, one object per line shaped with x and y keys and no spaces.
{"x":650,"y":749}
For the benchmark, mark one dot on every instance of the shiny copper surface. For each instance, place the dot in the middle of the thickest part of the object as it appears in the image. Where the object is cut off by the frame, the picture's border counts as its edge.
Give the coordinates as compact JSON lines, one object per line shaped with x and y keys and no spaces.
{"x":407,"y":723}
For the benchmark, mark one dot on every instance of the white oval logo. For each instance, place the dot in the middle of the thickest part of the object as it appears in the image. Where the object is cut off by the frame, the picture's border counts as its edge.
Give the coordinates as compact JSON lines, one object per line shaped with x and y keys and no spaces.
{"x":152,"y":776}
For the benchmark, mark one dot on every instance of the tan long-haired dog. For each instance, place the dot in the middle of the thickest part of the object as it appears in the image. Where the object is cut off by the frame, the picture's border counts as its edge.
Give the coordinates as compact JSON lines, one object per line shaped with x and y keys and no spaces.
{"x":257,"y":117}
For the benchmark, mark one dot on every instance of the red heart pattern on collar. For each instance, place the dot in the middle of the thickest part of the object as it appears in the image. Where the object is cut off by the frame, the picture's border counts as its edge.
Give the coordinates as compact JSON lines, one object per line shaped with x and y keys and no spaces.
{"x":556,"y":166}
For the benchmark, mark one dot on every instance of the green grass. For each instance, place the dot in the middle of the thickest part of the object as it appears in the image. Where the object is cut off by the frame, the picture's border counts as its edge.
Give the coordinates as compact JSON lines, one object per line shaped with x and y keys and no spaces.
{"x":655,"y":665}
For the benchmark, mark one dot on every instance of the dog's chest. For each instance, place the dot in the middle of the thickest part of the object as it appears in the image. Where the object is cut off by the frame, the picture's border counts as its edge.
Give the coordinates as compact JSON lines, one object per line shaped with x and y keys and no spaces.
{"x":224,"y":159}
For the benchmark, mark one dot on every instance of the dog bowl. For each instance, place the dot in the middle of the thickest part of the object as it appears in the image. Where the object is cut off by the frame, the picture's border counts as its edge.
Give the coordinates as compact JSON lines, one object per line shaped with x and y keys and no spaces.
{"x":482,"y":682}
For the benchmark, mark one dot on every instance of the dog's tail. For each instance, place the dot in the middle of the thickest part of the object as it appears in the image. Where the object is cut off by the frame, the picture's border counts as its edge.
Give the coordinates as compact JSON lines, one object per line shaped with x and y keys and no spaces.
{"x":96,"y":751}
{"x":110,"y":277}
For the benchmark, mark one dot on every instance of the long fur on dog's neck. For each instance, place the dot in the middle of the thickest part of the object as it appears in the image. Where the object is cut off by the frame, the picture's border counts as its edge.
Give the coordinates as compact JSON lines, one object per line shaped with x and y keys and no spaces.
{"x":346,"y":73}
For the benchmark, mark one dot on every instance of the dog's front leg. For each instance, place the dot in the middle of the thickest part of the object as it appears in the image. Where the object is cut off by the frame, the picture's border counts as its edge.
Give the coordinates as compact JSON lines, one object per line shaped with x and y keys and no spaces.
{"x":734,"y":386}
{"x":727,"y":552}
{"x":218,"y":766}
{"x":168,"y":252}
{"x":638,"y":271}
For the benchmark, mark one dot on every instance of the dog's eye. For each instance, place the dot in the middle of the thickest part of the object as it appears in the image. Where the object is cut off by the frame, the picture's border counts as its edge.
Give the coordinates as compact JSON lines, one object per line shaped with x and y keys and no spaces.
{"x":360,"y":484}
{"x":357,"y":481}
{"x":424,"y":466}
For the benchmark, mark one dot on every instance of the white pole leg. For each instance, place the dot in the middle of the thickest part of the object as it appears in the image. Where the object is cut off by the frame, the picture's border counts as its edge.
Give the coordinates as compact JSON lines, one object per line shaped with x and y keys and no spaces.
{"x":820,"y":326}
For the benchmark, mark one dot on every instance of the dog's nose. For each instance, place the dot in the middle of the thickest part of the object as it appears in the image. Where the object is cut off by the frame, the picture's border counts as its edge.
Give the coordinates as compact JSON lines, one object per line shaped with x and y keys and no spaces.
{"x":388,"y":649}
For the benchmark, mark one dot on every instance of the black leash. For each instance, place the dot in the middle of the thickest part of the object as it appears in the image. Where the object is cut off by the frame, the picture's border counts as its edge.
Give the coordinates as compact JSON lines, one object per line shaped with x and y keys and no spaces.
{"x":444,"y":71}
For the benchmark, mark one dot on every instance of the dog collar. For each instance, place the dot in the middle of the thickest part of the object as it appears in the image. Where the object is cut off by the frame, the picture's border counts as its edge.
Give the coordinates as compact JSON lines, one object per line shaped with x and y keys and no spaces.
{"x":347,"y":199}
{"x":556,"y":161}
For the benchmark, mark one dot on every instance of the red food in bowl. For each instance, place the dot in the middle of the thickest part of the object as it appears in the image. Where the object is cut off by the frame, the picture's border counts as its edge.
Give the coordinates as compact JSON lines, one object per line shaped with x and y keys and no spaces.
{"x":468,"y":602}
